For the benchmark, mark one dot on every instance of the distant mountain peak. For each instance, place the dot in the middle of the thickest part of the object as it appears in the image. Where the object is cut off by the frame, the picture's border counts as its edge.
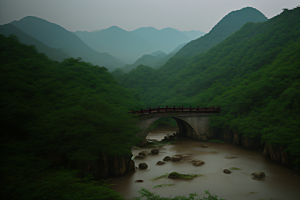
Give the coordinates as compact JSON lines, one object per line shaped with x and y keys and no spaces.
{"x":230,"y":23}
{"x":114,"y":28}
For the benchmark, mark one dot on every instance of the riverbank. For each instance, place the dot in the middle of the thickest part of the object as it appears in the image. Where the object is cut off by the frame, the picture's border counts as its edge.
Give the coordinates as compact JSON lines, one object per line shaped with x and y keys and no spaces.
{"x":279,"y":182}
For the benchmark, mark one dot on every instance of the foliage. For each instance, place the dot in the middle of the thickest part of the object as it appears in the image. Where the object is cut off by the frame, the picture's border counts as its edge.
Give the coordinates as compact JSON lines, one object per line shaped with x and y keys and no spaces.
{"x":158,"y":177}
{"x":234,"y":168}
{"x":69,"y":111}
{"x":253,"y":75}
{"x":162,"y":185}
{"x":152,"y":196}
{"x":224,"y":28}
{"x":58,"y":184}
{"x":184,"y":176}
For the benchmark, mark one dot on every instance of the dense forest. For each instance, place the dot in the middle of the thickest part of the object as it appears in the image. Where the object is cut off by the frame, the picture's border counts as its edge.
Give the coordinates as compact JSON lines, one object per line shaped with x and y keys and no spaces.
{"x":71,"y":109}
{"x":253,"y":75}
{"x":60,"y":116}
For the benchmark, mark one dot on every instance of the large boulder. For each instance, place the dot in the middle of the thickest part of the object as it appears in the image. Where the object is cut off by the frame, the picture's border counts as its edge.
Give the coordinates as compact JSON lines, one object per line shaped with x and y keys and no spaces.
{"x":197,"y":162}
{"x":258,"y":175}
{"x":143,"y":153}
{"x":160,"y":163}
{"x":175,"y":158}
{"x":227,"y":171}
{"x":143,"y":166}
{"x":167,"y":158}
{"x":154,"y":151}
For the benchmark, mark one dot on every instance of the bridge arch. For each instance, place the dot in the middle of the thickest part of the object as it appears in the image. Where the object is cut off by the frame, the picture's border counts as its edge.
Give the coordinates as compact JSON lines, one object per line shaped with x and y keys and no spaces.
{"x":191,"y":122}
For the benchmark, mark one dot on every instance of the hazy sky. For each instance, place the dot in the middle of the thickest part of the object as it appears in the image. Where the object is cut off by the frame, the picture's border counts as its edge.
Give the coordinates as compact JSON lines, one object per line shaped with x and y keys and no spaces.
{"x":89,"y":15}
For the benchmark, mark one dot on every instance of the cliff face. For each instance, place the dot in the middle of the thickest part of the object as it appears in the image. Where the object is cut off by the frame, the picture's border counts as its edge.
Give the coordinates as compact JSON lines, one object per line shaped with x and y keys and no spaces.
{"x":274,"y":152}
{"x":107,"y":165}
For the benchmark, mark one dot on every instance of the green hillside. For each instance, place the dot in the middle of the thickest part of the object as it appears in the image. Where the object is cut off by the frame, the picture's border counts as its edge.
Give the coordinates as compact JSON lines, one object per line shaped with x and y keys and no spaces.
{"x":227,"y":26}
{"x":253,"y":76}
{"x":70,"y":111}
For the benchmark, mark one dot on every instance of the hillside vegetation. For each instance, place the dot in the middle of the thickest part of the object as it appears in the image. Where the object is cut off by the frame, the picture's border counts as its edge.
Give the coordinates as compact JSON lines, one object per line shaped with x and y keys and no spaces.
{"x":71,"y":111}
{"x":224,"y":28}
{"x":253,"y":75}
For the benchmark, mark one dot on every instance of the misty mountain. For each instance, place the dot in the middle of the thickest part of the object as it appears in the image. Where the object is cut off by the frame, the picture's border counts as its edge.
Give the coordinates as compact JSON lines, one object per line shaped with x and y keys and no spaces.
{"x":166,"y":39}
{"x":153,"y":60}
{"x":132,"y":45}
{"x":55,"y":54}
{"x":118,"y":42}
{"x":227,"y":26}
{"x":193,"y":34}
{"x":56,"y":36}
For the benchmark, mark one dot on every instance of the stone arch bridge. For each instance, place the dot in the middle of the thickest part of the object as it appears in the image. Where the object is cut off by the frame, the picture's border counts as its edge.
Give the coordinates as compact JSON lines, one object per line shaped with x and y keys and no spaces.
{"x":191,"y":122}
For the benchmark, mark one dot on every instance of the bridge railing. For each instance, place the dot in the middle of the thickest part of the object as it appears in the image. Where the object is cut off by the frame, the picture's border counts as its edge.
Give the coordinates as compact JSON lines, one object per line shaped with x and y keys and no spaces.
{"x":176,"y":109}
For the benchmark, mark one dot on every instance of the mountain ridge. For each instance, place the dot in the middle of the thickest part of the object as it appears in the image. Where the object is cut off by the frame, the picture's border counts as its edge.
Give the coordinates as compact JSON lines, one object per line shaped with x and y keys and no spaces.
{"x":56,"y":36}
{"x":56,"y":54}
{"x":230,"y":23}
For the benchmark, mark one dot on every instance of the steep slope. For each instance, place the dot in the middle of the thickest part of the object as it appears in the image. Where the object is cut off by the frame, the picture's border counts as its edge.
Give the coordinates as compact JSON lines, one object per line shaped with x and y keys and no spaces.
{"x":116,"y":41}
{"x":52,"y":53}
{"x":56,"y":36}
{"x":53,"y":114}
{"x":228,"y":25}
{"x":253,"y":75}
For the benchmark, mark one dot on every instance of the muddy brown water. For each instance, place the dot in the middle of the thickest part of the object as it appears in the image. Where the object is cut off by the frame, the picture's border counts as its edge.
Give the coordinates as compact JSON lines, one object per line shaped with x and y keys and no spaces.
{"x":279,"y":183}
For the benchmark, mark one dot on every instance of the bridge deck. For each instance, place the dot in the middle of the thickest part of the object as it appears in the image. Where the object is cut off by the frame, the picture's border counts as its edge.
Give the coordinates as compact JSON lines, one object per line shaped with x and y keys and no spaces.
{"x":178,"y":109}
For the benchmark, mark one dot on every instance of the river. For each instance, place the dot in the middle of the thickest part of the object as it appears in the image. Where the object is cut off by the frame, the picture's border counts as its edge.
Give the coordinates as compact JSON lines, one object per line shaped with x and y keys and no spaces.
{"x":279,"y":183}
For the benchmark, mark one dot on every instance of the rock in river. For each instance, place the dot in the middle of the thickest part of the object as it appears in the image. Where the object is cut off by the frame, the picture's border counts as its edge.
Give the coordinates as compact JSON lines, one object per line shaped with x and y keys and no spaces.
{"x":258,"y":175}
{"x":197,"y":162}
{"x":227,"y":171}
{"x":143,"y":153}
{"x":167,"y":158}
{"x":175,"y":158}
{"x":139,"y":157}
{"x":143,"y":166}
{"x":154,"y":151}
{"x":174,"y":175}
{"x":160,"y":163}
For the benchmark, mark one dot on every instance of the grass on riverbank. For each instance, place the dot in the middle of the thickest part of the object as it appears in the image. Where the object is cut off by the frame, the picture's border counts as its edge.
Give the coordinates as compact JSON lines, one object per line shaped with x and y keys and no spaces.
{"x":184,"y":176}
{"x":178,"y":175}
{"x":193,"y":196}
{"x":158,"y":177}
{"x":162,"y":185}
{"x":234,"y":168}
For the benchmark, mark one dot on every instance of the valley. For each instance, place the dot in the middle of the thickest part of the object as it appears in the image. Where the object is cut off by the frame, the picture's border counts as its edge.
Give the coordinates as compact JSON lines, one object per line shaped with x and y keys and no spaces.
{"x":68,"y":102}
